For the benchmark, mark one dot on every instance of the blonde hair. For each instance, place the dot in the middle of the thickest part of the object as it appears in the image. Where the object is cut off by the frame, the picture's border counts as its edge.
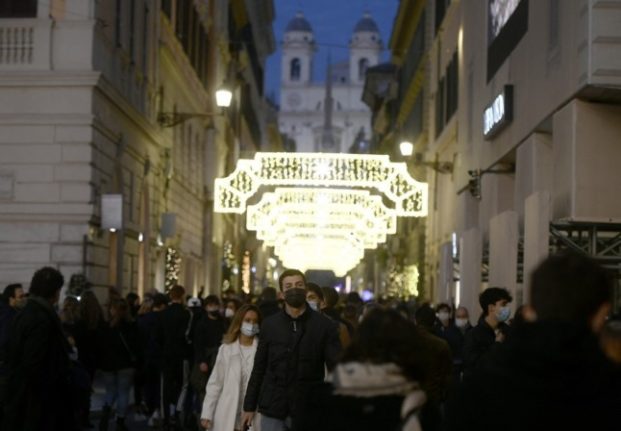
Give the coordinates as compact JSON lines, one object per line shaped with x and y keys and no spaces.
{"x":232,"y":334}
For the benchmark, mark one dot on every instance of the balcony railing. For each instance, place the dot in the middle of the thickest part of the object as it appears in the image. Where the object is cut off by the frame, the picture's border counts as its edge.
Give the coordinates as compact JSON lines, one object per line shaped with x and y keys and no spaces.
{"x":25,"y":44}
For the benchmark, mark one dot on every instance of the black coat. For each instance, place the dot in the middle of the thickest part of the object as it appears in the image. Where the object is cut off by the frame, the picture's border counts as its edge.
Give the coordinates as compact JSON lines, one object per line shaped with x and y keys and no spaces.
{"x":546,"y":376}
{"x":39,"y":387}
{"x":455,"y":339}
{"x":7,"y":314}
{"x":120,"y":347}
{"x":174,"y":334}
{"x":290,"y":361}
{"x":478,"y":342}
{"x":207,"y":338}
{"x":149,"y":328}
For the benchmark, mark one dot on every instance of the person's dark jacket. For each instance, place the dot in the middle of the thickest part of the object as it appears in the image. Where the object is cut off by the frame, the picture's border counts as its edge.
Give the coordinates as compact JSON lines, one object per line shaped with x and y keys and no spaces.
{"x":7,"y":314}
{"x":207,"y":338}
{"x":290,"y":360}
{"x":455,"y":339}
{"x":335,"y":315}
{"x":39,"y":385}
{"x":269,"y":308}
{"x":149,"y":327}
{"x":87,"y":341}
{"x":174,"y":336}
{"x":478,"y":342}
{"x":435,"y":363}
{"x":120,"y":347}
{"x":553,"y":374}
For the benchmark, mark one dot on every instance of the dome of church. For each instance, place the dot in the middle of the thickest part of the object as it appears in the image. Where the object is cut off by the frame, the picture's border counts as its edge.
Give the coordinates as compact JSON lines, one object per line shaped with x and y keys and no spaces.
{"x":366,"y":24}
{"x":299,"y":23}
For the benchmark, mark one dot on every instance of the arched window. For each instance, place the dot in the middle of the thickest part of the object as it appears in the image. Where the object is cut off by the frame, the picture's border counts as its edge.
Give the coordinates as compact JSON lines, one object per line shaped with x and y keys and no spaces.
{"x":294,"y":72}
{"x":363,"y":65}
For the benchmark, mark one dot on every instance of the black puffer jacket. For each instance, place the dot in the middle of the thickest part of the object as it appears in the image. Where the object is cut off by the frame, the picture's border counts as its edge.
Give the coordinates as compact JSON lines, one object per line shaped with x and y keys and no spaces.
{"x":290,"y":360}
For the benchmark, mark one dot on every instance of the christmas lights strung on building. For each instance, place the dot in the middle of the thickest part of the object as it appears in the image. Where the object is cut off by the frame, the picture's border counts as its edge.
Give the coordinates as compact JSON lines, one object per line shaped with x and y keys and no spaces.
{"x":172,"y":268}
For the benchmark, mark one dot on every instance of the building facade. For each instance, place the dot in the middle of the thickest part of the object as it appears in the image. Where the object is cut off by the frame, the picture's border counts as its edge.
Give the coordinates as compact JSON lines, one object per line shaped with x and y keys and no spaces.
{"x":521,"y":102}
{"x":325,"y":116}
{"x":99,"y":102}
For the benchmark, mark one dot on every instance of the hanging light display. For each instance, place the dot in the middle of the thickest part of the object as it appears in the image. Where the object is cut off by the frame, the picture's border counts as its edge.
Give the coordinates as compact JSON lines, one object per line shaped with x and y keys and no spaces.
{"x":326,"y":209}
{"x":365,"y":171}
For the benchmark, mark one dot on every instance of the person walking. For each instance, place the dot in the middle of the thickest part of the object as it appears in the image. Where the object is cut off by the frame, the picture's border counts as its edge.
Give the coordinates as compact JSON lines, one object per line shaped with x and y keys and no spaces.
{"x":120,"y":347}
{"x":37,"y":362}
{"x":375,"y":384}
{"x":491,"y":328}
{"x":174,"y":343}
{"x":296,"y":346}
{"x":11,"y":301}
{"x":551,"y":373}
{"x":222,"y":406}
{"x":149,"y":328}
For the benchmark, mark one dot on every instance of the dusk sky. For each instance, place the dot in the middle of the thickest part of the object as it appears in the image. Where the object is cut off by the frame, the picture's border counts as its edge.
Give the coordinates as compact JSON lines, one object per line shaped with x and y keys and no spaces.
{"x":333,"y":22}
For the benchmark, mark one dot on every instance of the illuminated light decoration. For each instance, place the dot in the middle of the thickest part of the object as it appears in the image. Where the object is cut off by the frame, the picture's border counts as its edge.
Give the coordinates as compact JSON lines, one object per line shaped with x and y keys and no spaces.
{"x":172,"y":268}
{"x":316,"y":207}
{"x":335,"y":253}
{"x":321,"y":170}
{"x":410,"y":280}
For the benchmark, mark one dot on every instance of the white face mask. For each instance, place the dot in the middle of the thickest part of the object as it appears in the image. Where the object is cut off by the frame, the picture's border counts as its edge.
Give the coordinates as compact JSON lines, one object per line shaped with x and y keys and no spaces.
{"x":249,"y":329}
{"x":229,"y":312}
{"x":444,"y":316}
{"x":314,"y":305}
{"x":461,"y":323}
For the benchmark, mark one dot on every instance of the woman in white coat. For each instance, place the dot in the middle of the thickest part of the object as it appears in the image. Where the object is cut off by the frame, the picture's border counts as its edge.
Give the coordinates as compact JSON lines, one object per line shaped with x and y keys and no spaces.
{"x":227,"y":384}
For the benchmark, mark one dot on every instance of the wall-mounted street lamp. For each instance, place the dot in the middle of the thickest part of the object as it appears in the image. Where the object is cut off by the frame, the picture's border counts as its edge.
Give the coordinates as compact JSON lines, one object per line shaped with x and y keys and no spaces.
{"x":474,"y":183}
{"x":224,"y":96}
{"x":407,"y":149}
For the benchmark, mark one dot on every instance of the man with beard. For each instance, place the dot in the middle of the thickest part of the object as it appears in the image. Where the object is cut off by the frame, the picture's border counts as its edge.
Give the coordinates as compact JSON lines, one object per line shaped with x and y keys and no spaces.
{"x":295,"y":346}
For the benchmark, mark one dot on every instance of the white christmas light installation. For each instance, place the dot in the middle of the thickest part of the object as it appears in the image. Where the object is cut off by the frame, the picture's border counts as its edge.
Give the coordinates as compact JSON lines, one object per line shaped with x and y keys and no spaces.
{"x":322,"y":170}
{"x":327,"y":216}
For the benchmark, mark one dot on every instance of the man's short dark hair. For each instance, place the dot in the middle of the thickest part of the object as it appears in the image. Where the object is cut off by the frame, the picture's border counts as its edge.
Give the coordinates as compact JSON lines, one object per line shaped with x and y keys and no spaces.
{"x":212,"y":300}
{"x":269,"y":294}
{"x":569,"y":287}
{"x":425,"y":316}
{"x":290,"y":273}
{"x":492,"y":295}
{"x":443,"y":306}
{"x":176,"y":293}
{"x":159,"y":300}
{"x":314,"y":287}
{"x":46,"y":282}
{"x":330,"y":296}
{"x":131,"y":298}
{"x":9,"y":291}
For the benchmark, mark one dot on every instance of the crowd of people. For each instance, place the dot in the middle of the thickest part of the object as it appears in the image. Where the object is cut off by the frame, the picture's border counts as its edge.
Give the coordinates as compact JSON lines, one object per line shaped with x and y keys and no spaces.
{"x":304,"y":357}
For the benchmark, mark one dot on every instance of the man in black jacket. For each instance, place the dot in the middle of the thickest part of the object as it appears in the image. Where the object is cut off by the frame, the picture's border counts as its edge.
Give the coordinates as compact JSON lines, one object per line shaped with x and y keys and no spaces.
{"x":38,"y":366}
{"x":175,"y":325}
{"x":296,"y":345}
{"x":491,"y":328}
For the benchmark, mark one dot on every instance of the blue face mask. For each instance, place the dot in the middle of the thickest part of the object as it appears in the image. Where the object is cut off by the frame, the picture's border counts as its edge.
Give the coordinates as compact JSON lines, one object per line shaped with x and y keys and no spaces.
{"x":503,"y":314}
